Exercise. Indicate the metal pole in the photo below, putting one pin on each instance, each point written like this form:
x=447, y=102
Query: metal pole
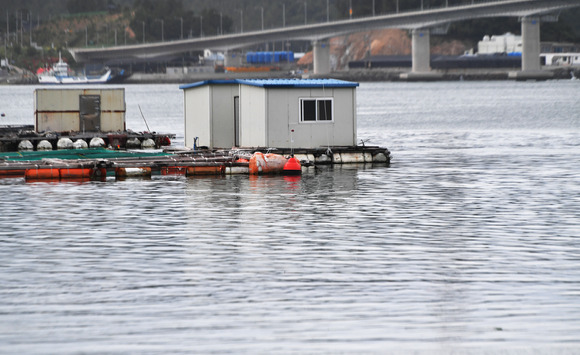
x=241, y=21
x=350, y=10
x=262, y=10
x=143, y=31
x=373, y=7
x=283, y=15
x=200, y=26
x=221, y=24
x=305, y=13
x=327, y=11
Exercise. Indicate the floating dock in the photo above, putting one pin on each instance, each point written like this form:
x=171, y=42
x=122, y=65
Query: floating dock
x=101, y=163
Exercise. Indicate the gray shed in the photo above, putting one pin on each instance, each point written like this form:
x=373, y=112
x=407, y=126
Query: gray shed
x=275, y=113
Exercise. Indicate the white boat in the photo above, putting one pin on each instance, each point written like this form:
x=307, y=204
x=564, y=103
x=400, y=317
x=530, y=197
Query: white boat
x=60, y=74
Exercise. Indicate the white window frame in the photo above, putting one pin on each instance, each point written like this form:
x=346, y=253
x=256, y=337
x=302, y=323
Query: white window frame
x=316, y=99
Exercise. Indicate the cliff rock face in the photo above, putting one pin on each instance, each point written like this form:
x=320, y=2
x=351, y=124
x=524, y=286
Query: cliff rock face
x=389, y=41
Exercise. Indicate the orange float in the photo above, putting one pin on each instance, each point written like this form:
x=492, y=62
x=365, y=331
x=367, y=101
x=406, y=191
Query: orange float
x=173, y=170
x=261, y=163
x=12, y=173
x=78, y=173
x=42, y=174
x=205, y=170
x=132, y=172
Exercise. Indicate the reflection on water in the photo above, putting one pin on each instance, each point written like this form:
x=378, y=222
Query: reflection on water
x=467, y=242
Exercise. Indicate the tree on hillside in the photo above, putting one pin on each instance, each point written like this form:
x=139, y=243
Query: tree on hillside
x=169, y=20
x=80, y=6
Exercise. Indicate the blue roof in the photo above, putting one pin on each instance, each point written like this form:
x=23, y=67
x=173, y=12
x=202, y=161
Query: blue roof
x=278, y=83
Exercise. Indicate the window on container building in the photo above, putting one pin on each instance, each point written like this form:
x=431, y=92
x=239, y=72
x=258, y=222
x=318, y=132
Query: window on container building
x=313, y=110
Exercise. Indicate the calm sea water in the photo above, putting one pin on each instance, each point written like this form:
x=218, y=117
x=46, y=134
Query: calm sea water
x=468, y=243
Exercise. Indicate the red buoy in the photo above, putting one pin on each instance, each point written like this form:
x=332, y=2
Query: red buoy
x=292, y=167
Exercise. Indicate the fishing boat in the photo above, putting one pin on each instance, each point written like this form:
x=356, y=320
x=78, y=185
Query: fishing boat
x=60, y=74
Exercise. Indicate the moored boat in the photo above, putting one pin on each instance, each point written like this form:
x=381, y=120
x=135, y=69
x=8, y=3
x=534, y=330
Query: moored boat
x=60, y=74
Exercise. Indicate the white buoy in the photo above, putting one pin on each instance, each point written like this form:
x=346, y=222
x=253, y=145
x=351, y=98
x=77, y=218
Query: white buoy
x=44, y=145
x=322, y=159
x=80, y=144
x=380, y=158
x=64, y=143
x=25, y=145
x=148, y=144
x=133, y=143
x=97, y=142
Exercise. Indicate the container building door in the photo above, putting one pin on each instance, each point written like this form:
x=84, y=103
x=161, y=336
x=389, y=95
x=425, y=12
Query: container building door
x=90, y=113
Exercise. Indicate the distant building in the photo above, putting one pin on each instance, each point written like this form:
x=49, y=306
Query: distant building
x=560, y=59
x=275, y=113
x=556, y=47
x=506, y=44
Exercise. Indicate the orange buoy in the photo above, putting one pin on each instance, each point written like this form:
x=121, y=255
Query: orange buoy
x=292, y=167
x=83, y=173
x=12, y=173
x=205, y=170
x=173, y=170
x=42, y=174
x=132, y=172
x=99, y=174
x=266, y=163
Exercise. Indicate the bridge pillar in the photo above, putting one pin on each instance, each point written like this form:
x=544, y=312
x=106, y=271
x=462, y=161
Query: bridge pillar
x=531, y=67
x=321, y=60
x=421, y=57
x=421, y=51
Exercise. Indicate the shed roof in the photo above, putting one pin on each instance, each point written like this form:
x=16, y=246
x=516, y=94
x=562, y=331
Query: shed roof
x=278, y=83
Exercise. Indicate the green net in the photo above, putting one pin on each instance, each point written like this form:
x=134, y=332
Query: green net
x=92, y=153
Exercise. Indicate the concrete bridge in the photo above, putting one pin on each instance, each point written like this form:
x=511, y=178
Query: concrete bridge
x=421, y=23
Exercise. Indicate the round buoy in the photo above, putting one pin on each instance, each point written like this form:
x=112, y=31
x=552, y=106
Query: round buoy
x=133, y=143
x=64, y=143
x=44, y=145
x=25, y=145
x=380, y=158
x=80, y=144
x=323, y=159
x=292, y=167
x=148, y=144
x=97, y=142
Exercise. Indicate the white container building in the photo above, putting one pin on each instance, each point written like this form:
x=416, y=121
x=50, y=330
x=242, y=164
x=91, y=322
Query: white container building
x=273, y=113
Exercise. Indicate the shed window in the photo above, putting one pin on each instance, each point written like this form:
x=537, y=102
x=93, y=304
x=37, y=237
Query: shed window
x=313, y=110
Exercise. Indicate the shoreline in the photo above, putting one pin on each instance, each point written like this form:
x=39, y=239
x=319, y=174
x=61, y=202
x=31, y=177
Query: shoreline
x=355, y=75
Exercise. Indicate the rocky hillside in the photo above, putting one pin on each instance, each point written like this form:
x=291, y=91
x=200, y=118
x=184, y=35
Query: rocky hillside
x=380, y=42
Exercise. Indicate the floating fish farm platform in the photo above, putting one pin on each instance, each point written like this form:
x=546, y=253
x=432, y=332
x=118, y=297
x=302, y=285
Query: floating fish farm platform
x=12, y=138
x=102, y=163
